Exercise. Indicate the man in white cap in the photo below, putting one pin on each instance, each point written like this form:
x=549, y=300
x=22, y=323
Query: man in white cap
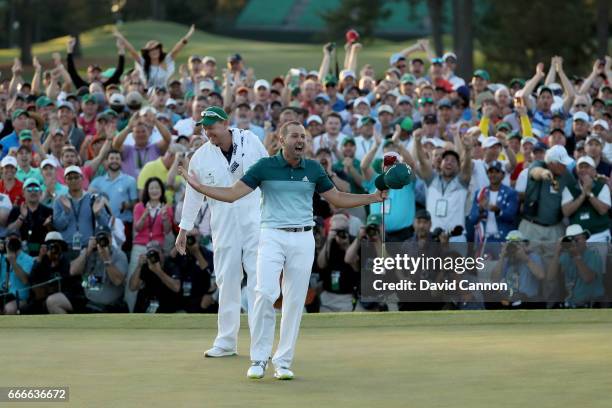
x=601, y=128
x=262, y=91
x=580, y=267
x=593, y=148
x=235, y=226
x=542, y=215
x=587, y=202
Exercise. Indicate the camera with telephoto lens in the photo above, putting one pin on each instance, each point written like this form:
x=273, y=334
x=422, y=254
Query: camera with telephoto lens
x=191, y=240
x=55, y=248
x=372, y=231
x=102, y=240
x=153, y=256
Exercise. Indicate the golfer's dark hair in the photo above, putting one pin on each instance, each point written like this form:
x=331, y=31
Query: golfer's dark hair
x=284, y=129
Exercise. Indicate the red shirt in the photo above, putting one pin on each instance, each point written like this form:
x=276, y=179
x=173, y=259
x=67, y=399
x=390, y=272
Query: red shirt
x=15, y=193
x=89, y=127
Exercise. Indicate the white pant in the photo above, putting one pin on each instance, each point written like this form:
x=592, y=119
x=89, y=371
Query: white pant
x=229, y=262
x=292, y=253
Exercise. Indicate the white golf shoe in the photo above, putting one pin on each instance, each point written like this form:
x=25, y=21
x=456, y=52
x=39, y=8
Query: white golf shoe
x=257, y=369
x=283, y=373
x=219, y=352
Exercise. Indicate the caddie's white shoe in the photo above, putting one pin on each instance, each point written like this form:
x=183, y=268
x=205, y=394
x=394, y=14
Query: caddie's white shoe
x=257, y=369
x=219, y=352
x=283, y=373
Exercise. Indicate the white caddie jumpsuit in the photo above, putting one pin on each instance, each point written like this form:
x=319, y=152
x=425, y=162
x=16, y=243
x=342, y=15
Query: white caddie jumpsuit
x=235, y=226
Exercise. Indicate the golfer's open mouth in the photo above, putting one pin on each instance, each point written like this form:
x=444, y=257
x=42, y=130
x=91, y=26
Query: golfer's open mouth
x=298, y=149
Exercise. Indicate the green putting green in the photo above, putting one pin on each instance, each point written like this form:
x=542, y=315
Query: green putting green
x=558, y=358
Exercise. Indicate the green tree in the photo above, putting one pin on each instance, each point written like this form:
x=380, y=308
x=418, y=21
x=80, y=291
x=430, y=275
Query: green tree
x=362, y=15
x=515, y=36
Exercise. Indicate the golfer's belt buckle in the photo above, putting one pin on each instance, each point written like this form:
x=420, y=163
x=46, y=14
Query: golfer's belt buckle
x=298, y=229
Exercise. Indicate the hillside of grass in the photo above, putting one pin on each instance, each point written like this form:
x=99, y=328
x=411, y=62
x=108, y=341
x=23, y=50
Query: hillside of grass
x=269, y=59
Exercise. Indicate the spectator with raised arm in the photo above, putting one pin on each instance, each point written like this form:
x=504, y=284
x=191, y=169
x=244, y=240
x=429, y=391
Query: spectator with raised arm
x=94, y=71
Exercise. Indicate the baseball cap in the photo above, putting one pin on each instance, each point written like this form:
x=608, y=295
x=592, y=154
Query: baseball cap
x=47, y=162
x=348, y=140
x=117, y=99
x=513, y=135
x=19, y=112
x=586, y=159
x=314, y=118
x=374, y=219
x=449, y=55
x=490, y=142
x=515, y=236
x=88, y=98
x=406, y=124
x=444, y=103
x=25, y=134
x=345, y=73
x=261, y=83
x=540, y=146
x=503, y=125
x=404, y=99
x=8, y=161
x=65, y=104
x=170, y=102
x=407, y=79
x=515, y=81
x=133, y=98
x=30, y=181
x=395, y=58
x=452, y=153
x=72, y=169
x=496, y=165
x=54, y=236
x=544, y=88
x=423, y=101
x=234, y=58
x=322, y=96
x=437, y=61
x=208, y=59
x=212, y=115
x=360, y=101
x=602, y=123
x=580, y=145
x=365, y=120
x=581, y=116
x=423, y=214
x=529, y=139
x=206, y=85
x=592, y=137
x=385, y=108
x=430, y=119
x=330, y=80
x=43, y=101
x=557, y=154
x=482, y=74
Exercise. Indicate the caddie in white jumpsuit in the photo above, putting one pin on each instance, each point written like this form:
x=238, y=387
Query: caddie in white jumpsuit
x=288, y=182
x=235, y=226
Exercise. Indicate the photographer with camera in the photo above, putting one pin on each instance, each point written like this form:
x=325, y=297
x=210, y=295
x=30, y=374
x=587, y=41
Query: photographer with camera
x=32, y=219
x=339, y=277
x=15, y=268
x=521, y=269
x=103, y=268
x=157, y=288
x=57, y=297
x=198, y=292
x=581, y=268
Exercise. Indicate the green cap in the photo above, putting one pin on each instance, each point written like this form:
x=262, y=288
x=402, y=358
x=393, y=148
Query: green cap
x=406, y=124
x=365, y=120
x=519, y=81
x=330, y=80
x=408, y=79
x=110, y=112
x=483, y=74
x=30, y=181
x=503, y=125
x=19, y=112
x=397, y=177
x=43, y=101
x=212, y=115
x=25, y=134
x=514, y=135
x=88, y=98
x=374, y=219
x=348, y=140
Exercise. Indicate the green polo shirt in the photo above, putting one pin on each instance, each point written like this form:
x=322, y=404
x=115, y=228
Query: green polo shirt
x=287, y=191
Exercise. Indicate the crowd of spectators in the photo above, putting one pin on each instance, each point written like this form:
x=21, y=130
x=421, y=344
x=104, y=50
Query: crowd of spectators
x=90, y=196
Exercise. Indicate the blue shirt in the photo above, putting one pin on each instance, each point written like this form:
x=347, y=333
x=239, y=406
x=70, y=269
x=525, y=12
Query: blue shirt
x=121, y=189
x=287, y=191
x=9, y=141
x=399, y=206
x=78, y=219
x=15, y=285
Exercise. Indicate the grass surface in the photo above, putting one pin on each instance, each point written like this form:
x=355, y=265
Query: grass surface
x=268, y=58
x=427, y=359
